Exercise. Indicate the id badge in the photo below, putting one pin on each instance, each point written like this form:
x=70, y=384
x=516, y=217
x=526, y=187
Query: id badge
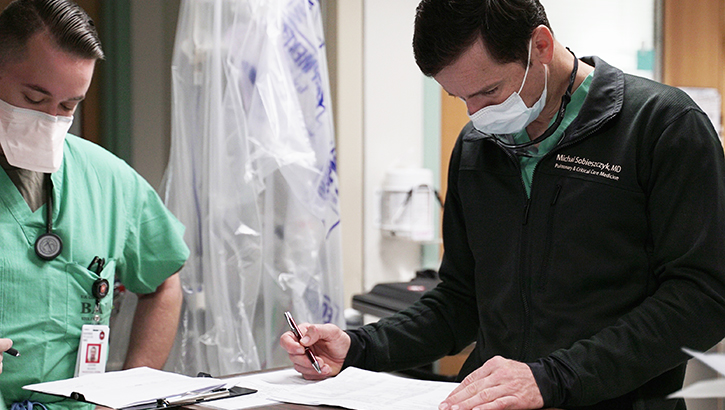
x=93, y=350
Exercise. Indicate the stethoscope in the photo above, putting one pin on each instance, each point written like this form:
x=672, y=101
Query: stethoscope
x=520, y=149
x=48, y=245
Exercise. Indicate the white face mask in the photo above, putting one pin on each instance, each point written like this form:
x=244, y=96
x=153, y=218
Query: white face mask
x=512, y=115
x=31, y=139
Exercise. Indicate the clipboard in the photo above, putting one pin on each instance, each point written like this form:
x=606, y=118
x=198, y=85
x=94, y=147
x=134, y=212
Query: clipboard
x=141, y=389
x=216, y=394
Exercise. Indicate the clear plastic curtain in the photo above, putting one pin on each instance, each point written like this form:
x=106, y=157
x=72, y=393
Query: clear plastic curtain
x=252, y=176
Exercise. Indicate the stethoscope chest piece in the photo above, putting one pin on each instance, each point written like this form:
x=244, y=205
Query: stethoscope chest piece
x=48, y=246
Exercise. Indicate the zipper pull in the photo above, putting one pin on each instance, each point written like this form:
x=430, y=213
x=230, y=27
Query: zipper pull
x=556, y=194
x=526, y=211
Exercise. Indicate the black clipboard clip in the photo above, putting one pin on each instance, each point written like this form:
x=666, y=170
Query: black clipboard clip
x=198, y=398
x=216, y=394
x=194, y=398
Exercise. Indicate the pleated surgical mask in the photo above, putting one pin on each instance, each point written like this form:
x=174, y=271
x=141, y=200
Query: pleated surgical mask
x=512, y=115
x=31, y=139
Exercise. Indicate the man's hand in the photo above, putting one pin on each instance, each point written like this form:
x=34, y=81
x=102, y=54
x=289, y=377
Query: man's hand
x=5, y=344
x=498, y=384
x=328, y=342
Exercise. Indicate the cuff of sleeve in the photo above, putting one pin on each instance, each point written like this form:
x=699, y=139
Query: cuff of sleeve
x=547, y=386
x=356, y=354
x=554, y=383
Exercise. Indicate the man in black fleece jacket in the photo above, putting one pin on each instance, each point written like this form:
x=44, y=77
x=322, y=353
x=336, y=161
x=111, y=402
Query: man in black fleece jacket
x=584, y=227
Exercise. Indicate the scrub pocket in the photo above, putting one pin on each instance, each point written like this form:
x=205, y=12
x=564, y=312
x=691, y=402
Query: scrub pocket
x=81, y=303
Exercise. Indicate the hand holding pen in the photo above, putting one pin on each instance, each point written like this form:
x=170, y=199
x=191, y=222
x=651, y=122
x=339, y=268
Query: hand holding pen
x=6, y=347
x=308, y=352
x=330, y=346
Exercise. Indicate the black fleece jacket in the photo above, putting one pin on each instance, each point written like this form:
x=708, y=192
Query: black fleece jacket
x=615, y=263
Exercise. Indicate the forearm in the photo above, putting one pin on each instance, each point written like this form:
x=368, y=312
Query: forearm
x=418, y=335
x=154, y=325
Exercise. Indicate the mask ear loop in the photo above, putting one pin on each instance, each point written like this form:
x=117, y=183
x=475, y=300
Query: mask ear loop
x=518, y=149
x=528, y=64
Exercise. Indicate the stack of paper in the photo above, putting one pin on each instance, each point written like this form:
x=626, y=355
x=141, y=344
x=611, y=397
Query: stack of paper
x=365, y=390
x=129, y=388
x=267, y=383
x=707, y=389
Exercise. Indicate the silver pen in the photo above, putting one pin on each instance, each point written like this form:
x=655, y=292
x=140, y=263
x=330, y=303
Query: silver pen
x=298, y=335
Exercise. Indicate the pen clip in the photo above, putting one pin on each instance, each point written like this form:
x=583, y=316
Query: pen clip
x=99, y=262
x=293, y=325
x=298, y=335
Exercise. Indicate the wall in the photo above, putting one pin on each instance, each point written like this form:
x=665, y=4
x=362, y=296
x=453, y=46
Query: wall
x=393, y=128
x=344, y=24
x=378, y=96
x=621, y=29
x=153, y=27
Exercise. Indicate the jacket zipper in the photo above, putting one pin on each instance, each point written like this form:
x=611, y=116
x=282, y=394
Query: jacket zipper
x=525, y=290
x=543, y=273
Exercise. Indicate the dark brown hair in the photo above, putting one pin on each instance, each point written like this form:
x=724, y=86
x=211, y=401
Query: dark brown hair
x=444, y=29
x=68, y=25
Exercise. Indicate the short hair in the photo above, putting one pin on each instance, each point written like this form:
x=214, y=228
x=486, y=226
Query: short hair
x=67, y=23
x=445, y=29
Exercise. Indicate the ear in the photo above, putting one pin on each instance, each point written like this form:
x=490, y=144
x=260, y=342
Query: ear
x=543, y=42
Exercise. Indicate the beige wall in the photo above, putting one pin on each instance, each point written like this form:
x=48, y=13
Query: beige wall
x=345, y=56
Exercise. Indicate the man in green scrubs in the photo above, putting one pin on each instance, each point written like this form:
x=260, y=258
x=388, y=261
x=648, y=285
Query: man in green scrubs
x=64, y=202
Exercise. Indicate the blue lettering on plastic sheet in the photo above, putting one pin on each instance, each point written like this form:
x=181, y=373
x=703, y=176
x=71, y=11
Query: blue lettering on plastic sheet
x=328, y=185
x=327, y=310
x=320, y=305
x=303, y=53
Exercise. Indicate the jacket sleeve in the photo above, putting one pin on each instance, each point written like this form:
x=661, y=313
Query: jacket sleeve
x=682, y=172
x=443, y=322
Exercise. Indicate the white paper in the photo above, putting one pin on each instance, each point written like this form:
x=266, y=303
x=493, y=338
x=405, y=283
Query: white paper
x=266, y=383
x=365, y=390
x=714, y=388
x=707, y=389
x=128, y=387
x=716, y=361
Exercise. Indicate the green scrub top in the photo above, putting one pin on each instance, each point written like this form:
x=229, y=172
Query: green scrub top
x=528, y=164
x=101, y=207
